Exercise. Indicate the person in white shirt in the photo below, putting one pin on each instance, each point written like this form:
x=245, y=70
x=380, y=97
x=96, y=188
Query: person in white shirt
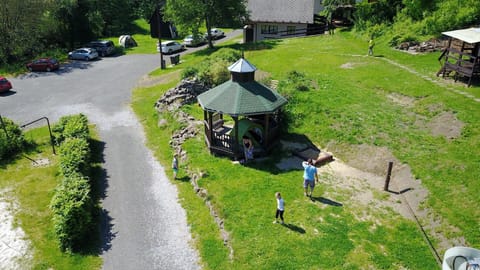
x=280, y=208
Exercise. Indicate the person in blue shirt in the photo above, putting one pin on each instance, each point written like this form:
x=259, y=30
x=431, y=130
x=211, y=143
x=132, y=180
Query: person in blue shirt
x=309, y=176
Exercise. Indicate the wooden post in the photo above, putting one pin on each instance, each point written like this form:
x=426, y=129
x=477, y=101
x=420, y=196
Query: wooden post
x=389, y=173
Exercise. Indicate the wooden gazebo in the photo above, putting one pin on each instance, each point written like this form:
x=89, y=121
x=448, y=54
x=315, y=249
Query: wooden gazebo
x=252, y=106
x=462, y=54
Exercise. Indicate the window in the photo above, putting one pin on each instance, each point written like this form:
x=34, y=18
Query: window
x=291, y=30
x=269, y=29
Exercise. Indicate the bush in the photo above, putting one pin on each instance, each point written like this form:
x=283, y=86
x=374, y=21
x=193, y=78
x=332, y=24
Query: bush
x=72, y=212
x=214, y=70
x=74, y=156
x=189, y=72
x=72, y=126
x=14, y=142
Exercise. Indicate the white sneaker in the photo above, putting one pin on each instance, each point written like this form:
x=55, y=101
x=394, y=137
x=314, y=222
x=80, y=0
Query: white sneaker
x=275, y=222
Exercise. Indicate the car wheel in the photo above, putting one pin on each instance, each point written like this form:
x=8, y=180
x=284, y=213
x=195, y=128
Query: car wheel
x=49, y=69
x=102, y=54
x=86, y=58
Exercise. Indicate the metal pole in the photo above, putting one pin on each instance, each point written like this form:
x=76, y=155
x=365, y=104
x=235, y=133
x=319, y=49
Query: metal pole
x=51, y=136
x=162, y=63
x=49, y=129
x=389, y=173
x=4, y=128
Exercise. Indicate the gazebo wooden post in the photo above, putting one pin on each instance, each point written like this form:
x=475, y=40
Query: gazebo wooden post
x=236, y=141
x=210, y=128
x=266, y=140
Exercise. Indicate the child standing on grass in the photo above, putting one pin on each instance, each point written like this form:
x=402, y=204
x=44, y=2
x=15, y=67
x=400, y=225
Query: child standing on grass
x=175, y=166
x=280, y=208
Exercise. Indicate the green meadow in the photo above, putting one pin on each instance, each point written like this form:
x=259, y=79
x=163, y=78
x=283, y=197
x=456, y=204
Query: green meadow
x=348, y=104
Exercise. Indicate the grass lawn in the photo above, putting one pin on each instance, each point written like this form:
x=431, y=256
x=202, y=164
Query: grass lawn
x=349, y=104
x=32, y=188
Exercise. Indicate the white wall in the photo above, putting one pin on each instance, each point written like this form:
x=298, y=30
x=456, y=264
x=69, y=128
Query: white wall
x=282, y=30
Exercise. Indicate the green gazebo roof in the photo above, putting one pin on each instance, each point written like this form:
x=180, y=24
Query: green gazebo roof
x=241, y=98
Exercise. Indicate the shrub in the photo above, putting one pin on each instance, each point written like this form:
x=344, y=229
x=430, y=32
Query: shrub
x=74, y=156
x=189, y=72
x=14, y=142
x=72, y=126
x=72, y=212
x=226, y=54
x=213, y=71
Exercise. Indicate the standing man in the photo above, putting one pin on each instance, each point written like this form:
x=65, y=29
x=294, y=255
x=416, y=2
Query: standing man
x=371, y=44
x=309, y=176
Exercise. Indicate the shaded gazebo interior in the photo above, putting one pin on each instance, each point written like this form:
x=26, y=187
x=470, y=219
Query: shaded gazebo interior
x=241, y=107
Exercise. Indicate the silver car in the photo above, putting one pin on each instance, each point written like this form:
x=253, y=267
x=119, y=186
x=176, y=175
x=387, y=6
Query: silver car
x=86, y=54
x=170, y=47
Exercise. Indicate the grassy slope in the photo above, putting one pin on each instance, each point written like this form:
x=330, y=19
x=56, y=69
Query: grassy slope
x=349, y=107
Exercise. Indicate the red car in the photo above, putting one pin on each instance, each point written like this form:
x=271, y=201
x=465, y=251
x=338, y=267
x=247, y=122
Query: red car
x=43, y=64
x=5, y=85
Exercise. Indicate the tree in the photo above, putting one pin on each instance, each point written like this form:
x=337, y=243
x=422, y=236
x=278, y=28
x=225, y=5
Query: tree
x=189, y=15
x=19, y=29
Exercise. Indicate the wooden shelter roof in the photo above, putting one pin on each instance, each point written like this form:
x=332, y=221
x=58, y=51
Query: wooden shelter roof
x=469, y=35
x=241, y=98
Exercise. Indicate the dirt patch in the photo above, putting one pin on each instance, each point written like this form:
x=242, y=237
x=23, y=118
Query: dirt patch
x=350, y=65
x=444, y=124
x=402, y=100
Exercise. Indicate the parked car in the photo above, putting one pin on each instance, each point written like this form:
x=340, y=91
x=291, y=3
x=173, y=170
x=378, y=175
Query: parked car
x=216, y=33
x=170, y=47
x=83, y=54
x=194, y=40
x=103, y=47
x=5, y=85
x=43, y=64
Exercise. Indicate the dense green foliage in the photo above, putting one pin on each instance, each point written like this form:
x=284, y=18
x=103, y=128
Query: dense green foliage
x=407, y=20
x=74, y=157
x=213, y=70
x=72, y=204
x=72, y=208
x=190, y=15
x=29, y=27
x=74, y=126
x=12, y=139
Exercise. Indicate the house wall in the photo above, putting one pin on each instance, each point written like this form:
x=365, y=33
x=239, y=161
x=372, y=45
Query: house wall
x=278, y=30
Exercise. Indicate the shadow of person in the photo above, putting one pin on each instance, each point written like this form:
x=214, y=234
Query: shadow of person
x=325, y=201
x=294, y=228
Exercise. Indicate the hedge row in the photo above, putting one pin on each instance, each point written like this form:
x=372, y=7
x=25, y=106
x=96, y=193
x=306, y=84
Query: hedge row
x=12, y=140
x=72, y=204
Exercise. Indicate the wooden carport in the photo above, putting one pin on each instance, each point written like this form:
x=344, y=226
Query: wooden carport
x=462, y=54
x=244, y=100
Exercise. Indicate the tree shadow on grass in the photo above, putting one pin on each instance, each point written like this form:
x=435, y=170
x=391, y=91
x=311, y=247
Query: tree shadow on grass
x=294, y=228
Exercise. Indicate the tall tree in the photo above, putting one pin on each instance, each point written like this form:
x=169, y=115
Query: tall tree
x=189, y=15
x=19, y=28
